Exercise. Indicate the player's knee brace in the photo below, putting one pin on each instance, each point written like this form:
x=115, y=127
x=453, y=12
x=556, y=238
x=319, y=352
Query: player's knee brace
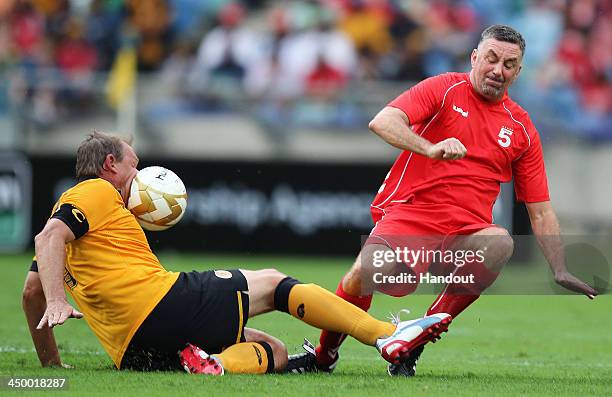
x=281, y=294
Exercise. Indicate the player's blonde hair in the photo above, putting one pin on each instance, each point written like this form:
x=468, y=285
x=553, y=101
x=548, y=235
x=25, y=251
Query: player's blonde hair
x=93, y=151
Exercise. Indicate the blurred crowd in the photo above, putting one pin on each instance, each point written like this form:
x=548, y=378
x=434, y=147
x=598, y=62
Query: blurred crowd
x=303, y=62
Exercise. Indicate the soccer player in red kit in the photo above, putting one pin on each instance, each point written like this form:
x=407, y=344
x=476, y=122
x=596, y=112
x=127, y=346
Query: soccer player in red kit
x=461, y=136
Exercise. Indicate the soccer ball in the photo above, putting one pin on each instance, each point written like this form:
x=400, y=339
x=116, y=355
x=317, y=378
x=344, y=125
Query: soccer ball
x=158, y=198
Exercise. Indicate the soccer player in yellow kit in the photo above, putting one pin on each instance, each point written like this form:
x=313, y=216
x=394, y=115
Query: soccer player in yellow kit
x=143, y=314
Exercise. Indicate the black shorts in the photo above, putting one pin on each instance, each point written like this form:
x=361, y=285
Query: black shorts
x=208, y=309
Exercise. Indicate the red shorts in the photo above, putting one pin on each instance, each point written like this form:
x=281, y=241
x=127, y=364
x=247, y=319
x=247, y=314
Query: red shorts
x=425, y=227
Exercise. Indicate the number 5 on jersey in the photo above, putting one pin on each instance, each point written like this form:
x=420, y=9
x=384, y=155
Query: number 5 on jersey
x=504, y=137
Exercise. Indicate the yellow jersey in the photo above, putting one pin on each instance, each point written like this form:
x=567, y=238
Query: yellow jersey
x=111, y=272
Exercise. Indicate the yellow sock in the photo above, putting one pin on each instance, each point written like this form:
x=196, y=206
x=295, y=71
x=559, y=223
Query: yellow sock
x=322, y=309
x=247, y=358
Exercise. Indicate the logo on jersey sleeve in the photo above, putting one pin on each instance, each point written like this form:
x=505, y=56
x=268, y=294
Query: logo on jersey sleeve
x=460, y=111
x=504, y=137
x=74, y=218
x=78, y=215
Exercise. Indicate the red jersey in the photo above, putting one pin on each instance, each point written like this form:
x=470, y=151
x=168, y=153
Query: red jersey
x=500, y=139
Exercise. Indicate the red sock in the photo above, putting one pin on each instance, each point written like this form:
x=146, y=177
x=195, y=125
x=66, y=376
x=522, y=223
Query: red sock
x=330, y=342
x=456, y=297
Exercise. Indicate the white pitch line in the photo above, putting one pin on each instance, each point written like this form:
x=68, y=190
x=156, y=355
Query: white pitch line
x=22, y=350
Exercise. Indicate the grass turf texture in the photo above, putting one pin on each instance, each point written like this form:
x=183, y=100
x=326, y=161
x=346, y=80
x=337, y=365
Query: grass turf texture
x=503, y=345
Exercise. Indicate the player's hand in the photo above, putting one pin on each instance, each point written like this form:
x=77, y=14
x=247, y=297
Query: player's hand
x=57, y=313
x=572, y=283
x=448, y=149
x=55, y=364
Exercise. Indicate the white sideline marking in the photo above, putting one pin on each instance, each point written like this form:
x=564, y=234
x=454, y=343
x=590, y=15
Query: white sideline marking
x=21, y=350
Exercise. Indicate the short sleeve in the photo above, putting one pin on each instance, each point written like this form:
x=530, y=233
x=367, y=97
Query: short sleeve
x=424, y=100
x=93, y=202
x=530, y=182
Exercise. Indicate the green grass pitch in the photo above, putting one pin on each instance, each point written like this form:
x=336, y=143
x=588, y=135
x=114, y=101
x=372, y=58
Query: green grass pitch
x=502, y=345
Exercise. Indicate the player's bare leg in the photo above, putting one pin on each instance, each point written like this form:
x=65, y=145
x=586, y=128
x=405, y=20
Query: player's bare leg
x=497, y=247
x=497, y=243
x=272, y=290
x=324, y=310
x=262, y=285
x=358, y=281
x=357, y=287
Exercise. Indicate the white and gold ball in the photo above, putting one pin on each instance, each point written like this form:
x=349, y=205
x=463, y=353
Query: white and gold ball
x=158, y=198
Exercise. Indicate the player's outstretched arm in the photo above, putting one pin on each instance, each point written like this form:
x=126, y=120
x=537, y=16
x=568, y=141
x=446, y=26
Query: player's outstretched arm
x=546, y=228
x=393, y=126
x=34, y=305
x=50, y=246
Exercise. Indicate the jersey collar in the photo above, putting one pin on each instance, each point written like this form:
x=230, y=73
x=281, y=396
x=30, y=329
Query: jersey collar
x=85, y=178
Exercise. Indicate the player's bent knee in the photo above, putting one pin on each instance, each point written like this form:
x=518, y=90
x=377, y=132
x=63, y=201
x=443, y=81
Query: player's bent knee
x=279, y=350
x=351, y=283
x=503, y=244
x=273, y=277
x=280, y=353
x=376, y=257
x=267, y=279
x=32, y=289
x=359, y=280
x=506, y=246
x=28, y=295
x=263, y=286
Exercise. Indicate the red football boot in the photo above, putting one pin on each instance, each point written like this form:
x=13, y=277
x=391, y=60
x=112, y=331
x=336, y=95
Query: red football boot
x=197, y=361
